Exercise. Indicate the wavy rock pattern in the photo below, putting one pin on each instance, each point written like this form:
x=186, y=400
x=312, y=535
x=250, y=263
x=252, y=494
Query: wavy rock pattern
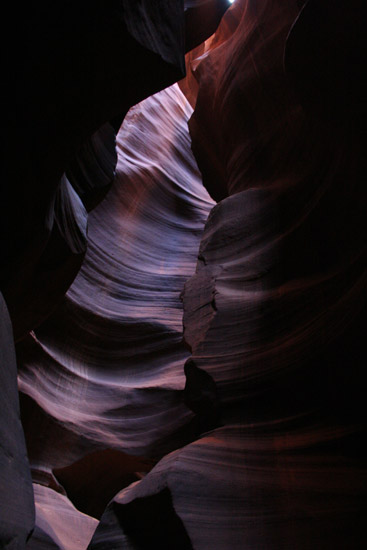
x=244, y=487
x=274, y=316
x=280, y=327
x=57, y=256
x=59, y=525
x=78, y=68
x=278, y=300
x=281, y=267
x=36, y=291
x=266, y=419
x=81, y=68
x=108, y=364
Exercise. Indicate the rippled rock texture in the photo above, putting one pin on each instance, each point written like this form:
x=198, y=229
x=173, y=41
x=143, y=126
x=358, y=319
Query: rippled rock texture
x=58, y=523
x=201, y=383
x=73, y=72
x=274, y=317
x=105, y=371
x=120, y=354
x=71, y=68
x=242, y=487
x=281, y=272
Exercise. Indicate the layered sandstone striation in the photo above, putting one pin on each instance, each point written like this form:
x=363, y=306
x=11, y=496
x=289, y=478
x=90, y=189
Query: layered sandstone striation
x=191, y=373
x=105, y=371
x=274, y=315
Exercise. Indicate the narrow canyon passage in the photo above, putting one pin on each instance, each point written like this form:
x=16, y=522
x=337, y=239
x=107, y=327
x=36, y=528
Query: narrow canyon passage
x=185, y=287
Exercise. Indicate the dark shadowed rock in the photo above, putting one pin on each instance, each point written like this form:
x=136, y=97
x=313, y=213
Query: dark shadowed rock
x=93, y=170
x=202, y=20
x=325, y=58
x=92, y=481
x=41, y=541
x=152, y=521
x=16, y=495
x=36, y=291
x=243, y=486
x=201, y=396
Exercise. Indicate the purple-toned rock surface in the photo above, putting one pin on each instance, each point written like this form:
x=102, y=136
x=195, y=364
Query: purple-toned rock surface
x=281, y=271
x=37, y=290
x=70, y=69
x=206, y=373
x=58, y=523
x=274, y=317
x=108, y=365
x=242, y=487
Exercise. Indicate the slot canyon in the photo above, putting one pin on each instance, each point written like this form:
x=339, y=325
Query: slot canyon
x=183, y=276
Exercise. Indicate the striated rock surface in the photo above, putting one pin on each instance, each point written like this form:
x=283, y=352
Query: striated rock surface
x=284, y=351
x=71, y=68
x=59, y=525
x=257, y=439
x=37, y=289
x=242, y=487
x=281, y=271
x=274, y=316
x=276, y=310
x=107, y=367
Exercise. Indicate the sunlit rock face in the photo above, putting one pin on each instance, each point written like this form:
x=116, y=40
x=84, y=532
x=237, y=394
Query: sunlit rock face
x=71, y=68
x=274, y=316
x=108, y=364
x=59, y=525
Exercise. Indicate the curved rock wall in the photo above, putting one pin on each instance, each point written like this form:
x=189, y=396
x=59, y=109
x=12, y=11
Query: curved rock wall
x=106, y=368
x=70, y=69
x=281, y=272
x=274, y=317
x=115, y=343
x=256, y=439
x=16, y=503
